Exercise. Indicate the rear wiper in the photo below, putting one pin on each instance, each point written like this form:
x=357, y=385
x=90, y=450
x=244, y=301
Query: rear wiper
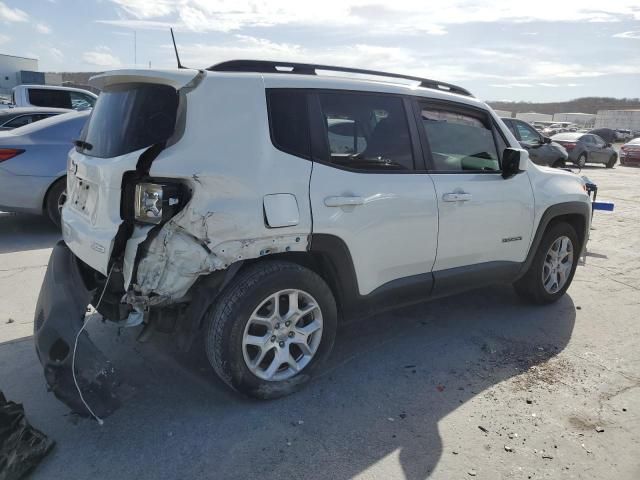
x=82, y=144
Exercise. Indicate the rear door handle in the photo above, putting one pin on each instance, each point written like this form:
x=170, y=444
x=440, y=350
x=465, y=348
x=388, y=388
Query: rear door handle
x=343, y=201
x=456, y=197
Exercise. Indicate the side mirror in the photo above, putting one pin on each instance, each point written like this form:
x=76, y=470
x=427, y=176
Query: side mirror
x=546, y=140
x=513, y=162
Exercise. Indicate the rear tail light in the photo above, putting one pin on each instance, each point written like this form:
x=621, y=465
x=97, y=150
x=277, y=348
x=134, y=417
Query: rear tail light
x=9, y=153
x=569, y=146
x=157, y=202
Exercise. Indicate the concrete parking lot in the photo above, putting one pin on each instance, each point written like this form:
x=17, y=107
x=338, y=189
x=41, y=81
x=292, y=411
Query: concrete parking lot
x=474, y=386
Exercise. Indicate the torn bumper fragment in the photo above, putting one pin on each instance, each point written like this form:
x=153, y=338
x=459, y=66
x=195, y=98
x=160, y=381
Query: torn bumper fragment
x=60, y=315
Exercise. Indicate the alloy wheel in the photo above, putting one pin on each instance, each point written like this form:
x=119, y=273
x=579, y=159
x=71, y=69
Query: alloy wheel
x=282, y=335
x=557, y=265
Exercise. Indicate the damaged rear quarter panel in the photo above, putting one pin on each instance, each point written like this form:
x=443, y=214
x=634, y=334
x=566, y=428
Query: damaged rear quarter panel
x=230, y=164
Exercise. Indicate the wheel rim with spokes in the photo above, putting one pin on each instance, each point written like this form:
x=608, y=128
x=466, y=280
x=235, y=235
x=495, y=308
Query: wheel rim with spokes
x=282, y=335
x=557, y=265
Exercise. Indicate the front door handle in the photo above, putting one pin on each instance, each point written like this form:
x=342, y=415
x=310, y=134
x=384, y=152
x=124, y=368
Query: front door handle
x=343, y=201
x=456, y=197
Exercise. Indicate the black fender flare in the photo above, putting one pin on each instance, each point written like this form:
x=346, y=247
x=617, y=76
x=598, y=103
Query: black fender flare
x=551, y=213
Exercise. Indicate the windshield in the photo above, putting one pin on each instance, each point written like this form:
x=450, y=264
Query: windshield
x=128, y=117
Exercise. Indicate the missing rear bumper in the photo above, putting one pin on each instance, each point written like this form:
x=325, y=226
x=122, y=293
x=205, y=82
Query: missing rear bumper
x=60, y=315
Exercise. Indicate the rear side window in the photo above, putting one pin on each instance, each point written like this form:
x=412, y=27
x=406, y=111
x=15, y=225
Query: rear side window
x=289, y=121
x=19, y=121
x=366, y=132
x=128, y=117
x=42, y=97
x=460, y=141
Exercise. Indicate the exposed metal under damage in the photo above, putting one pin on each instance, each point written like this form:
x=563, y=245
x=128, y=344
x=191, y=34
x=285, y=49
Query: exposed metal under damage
x=183, y=250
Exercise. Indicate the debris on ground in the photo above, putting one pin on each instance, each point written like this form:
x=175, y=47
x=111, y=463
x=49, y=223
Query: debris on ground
x=599, y=429
x=529, y=401
x=22, y=447
x=547, y=456
x=11, y=320
x=507, y=448
x=403, y=416
x=483, y=429
x=472, y=473
x=440, y=388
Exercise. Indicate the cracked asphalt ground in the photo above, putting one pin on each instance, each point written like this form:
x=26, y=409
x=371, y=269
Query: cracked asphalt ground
x=473, y=386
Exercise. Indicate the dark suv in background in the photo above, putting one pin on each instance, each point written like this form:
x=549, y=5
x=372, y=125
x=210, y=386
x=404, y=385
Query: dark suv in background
x=542, y=150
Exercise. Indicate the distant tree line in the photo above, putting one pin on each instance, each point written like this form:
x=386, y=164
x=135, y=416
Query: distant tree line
x=582, y=105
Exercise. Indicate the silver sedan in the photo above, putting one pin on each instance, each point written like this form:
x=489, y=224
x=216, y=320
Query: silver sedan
x=33, y=164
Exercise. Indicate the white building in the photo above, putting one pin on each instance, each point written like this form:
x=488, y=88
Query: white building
x=503, y=113
x=625, y=119
x=583, y=119
x=17, y=70
x=534, y=117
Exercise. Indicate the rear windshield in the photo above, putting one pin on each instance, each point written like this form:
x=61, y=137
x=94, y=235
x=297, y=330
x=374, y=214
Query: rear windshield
x=128, y=117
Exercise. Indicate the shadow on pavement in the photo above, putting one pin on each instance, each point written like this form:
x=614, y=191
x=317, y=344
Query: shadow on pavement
x=20, y=232
x=389, y=382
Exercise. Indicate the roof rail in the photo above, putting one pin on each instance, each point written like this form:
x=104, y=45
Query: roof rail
x=267, y=66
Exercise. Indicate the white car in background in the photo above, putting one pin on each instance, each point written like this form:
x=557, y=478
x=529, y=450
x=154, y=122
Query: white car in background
x=52, y=96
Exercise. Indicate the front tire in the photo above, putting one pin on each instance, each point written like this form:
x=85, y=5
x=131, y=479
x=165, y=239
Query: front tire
x=271, y=329
x=553, y=266
x=582, y=160
x=612, y=161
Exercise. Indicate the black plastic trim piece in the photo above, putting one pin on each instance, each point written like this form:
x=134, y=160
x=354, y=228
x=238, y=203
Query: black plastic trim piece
x=554, y=211
x=266, y=66
x=341, y=275
x=460, y=279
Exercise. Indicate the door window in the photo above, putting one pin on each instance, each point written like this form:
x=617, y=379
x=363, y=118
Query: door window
x=44, y=97
x=366, y=132
x=81, y=101
x=527, y=134
x=460, y=141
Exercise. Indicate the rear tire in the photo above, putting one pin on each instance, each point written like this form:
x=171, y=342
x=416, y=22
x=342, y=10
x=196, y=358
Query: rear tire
x=582, y=160
x=248, y=331
x=532, y=286
x=612, y=161
x=56, y=196
x=558, y=164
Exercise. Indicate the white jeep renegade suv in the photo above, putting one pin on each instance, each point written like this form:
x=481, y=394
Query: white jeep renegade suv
x=256, y=204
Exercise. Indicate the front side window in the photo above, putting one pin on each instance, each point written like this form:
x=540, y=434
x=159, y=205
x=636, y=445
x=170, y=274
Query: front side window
x=81, y=101
x=527, y=134
x=460, y=141
x=44, y=97
x=366, y=132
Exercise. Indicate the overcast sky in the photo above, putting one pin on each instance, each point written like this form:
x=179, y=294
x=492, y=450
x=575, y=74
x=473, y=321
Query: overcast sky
x=501, y=50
